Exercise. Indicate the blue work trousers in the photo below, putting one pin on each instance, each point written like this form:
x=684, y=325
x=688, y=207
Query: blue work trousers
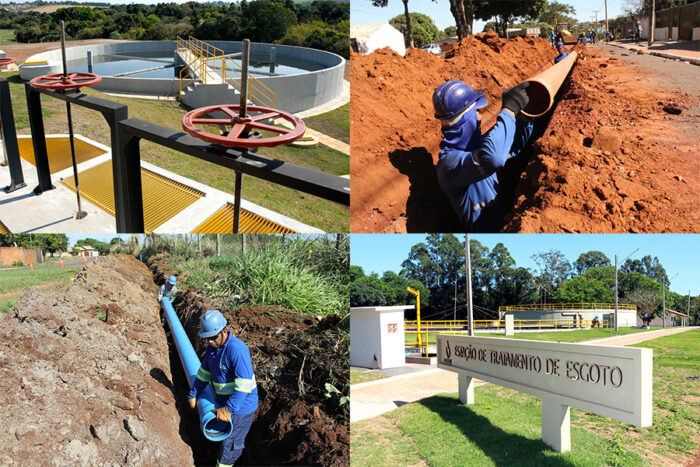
x=232, y=447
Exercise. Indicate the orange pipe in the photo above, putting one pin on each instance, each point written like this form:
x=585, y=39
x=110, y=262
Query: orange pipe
x=545, y=86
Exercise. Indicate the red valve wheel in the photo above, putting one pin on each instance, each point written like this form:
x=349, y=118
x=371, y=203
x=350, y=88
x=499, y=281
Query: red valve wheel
x=238, y=125
x=6, y=61
x=57, y=81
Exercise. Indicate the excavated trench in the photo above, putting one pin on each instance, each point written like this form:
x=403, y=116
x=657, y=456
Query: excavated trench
x=605, y=158
x=293, y=357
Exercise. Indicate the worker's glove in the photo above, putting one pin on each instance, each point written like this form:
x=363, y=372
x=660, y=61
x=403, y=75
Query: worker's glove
x=222, y=414
x=515, y=99
x=193, y=402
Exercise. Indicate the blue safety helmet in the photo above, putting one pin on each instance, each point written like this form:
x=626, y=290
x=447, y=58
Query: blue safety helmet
x=452, y=97
x=211, y=323
x=172, y=280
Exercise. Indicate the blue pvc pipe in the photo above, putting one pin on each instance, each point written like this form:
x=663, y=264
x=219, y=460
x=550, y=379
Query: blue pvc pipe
x=213, y=429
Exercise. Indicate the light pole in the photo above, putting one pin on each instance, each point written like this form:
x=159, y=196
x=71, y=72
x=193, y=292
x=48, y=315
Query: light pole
x=616, y=326
x=663, y=296
x=470, y=316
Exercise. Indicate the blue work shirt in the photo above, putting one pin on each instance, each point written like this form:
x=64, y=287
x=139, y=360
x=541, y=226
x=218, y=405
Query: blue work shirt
x=561, y=57
x=230, y=371
x=469, y=178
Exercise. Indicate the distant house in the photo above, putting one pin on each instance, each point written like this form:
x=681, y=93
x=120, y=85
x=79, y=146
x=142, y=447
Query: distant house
x=367, y=38
x=86, y=250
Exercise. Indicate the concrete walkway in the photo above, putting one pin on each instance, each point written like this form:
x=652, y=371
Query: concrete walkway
x=685, y=51
x=368, y=400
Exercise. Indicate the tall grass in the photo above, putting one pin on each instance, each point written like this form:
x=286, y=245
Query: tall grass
x=306, y=275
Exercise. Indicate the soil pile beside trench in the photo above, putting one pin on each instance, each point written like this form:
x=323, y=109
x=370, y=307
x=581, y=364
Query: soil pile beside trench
x=294, y=355
x=85, y=374
x=395, y=135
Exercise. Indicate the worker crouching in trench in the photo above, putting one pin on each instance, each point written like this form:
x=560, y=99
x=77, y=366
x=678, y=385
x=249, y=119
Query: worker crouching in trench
x=468, y=161
x=227, y=365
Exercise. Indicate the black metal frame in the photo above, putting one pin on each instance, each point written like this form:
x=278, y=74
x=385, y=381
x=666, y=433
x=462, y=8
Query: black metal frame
x=126, y=134
x=242, y=161
x=9, y=134
x=111, y=111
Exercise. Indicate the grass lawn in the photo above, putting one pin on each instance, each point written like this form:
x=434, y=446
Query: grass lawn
x=555, y=336
x=18, y=279
x=503, y=426
x=363, y=376
x=7, y=36
x=335, y=123
x=326, y=215
x=5, y=305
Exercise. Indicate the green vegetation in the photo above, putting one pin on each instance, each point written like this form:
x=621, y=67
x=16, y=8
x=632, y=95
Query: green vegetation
x=47, y=242
x=363, y=376
x=503, y=426
x=5, y=305
x=437, y=264
x=301, y=273
x=318, y=24
x=423, y=29
x=17, y=279
x=335, y=123
x=7, y=36
x=326, y=215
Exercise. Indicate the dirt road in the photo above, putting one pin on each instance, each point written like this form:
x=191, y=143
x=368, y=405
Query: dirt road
x=377, y=397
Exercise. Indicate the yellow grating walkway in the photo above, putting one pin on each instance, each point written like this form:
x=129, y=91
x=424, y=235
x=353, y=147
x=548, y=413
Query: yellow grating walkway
x=4, y=229
x=59, y=152
x=222, y=222
x=163, y=198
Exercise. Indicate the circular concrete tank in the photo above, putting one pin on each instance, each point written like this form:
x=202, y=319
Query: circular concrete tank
x=315, y=79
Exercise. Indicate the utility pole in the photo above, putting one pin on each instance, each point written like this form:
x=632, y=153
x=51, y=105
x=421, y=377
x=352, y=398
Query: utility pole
x=616, y=295
x=470, y=316
x=596, y=16
x=454, y=317
x=652, y=24
x=687, y=312
x=663, y=296
x=607, y=32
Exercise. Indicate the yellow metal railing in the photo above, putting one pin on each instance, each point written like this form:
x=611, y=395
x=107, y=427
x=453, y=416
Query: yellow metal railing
x=456, y=327
x=206, y=57
x=568, y=306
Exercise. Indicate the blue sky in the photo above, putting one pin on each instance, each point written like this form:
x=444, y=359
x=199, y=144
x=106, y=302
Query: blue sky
x=362, y=11
x=677, y=253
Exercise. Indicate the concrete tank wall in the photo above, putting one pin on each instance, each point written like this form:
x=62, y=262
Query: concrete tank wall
x=626, y=317
x=294, y=93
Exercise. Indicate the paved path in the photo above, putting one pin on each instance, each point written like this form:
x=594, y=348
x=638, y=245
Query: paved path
x=687, y=51
x=368, y=400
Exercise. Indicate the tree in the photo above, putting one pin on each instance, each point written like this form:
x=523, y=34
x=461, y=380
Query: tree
x=590, y=259
x=647, y=301
x=596, y=284
x=424, y=30
x=450, y=31
x=553, y=269
x=367, y=291
x=555, y=12
x=507, y=11
x=648, y=266
x=463, y=13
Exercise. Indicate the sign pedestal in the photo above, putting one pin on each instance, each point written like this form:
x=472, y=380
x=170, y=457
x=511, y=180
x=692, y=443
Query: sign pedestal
x=466, y=388
x=556, y=425
x=510, y=325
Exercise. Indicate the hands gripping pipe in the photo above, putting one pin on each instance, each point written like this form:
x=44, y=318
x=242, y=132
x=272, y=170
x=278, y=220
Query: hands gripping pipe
x=212, y=428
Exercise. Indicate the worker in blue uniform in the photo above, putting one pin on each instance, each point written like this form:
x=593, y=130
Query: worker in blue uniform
x=468, y=162
x=227, y=365
x=168, y=289
x=551, y=36
x=562, y=54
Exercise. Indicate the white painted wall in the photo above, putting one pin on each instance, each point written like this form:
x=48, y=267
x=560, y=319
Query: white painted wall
x=370, y=336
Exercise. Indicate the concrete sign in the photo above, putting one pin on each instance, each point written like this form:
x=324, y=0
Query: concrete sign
x=615, y=382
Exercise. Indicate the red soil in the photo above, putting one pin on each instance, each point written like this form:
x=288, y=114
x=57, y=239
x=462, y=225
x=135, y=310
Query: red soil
x=594, y=170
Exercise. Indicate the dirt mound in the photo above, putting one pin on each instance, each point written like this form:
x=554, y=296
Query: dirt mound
x=85, y=374
x=611, y=159
x=294, y=356
x=394, y=133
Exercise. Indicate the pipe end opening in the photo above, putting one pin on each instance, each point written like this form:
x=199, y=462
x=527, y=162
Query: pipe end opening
x=540, y=100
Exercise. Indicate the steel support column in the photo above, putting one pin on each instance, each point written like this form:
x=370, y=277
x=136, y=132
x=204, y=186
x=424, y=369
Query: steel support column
x=9, y=138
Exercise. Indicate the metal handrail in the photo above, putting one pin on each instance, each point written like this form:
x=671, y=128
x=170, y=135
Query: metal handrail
x=568, y=306
x=202, y=54
x=491, y=323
